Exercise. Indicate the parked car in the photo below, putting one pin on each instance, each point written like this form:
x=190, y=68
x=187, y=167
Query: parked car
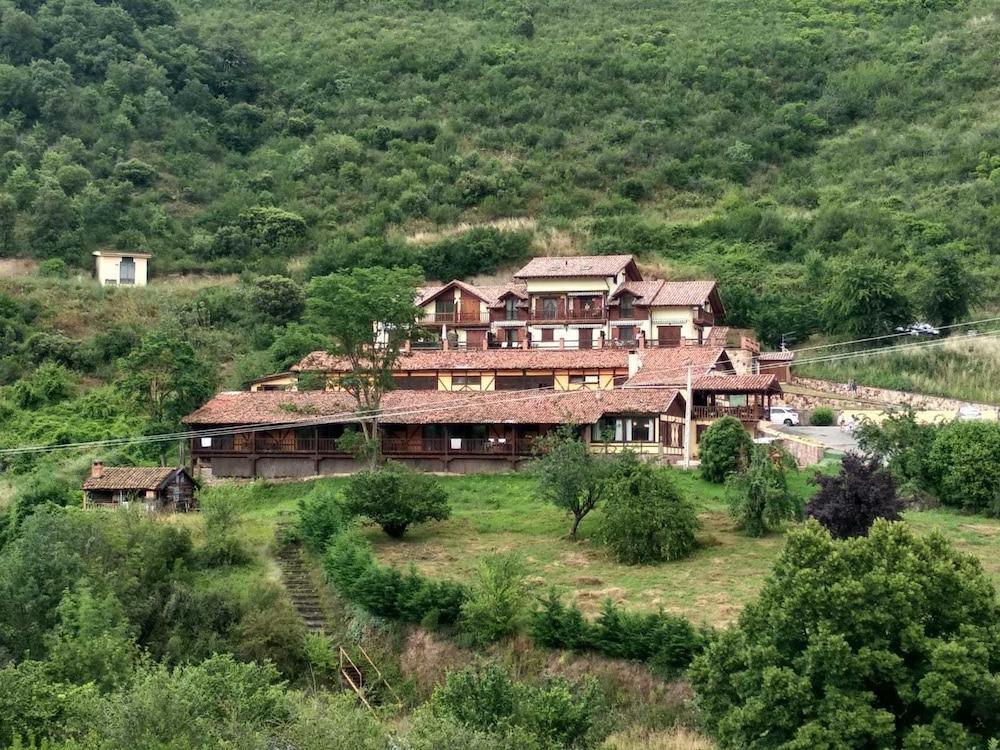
x=919, y=329
x=969, y=411
x=784, y=415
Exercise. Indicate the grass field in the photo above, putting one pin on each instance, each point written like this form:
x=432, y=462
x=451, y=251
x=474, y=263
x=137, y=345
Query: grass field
x=499, y=513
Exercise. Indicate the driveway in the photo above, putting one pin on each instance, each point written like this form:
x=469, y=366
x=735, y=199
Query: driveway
x=833, y=438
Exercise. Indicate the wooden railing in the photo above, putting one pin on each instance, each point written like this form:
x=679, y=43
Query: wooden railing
x=569, y=313
x=750, y=413
x=390, y=446
x=458, y=316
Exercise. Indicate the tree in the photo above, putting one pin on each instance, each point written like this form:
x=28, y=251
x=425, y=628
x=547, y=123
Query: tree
x=273, y=230
x=848, y=504
x=864, y=298
x=758, y=495
x=964, y=464
x=497, y=604
x=889, y=640
x=369, y=313
x=903, y=444
x=724, y=448
x=276, y=299
x=646, y=517
x=8, y=223
x=948, y=287
x=395, y=497
x=568, y=474
x=167, y=379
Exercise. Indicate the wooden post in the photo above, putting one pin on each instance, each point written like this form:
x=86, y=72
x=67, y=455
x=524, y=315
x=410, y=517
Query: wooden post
x=687, y=418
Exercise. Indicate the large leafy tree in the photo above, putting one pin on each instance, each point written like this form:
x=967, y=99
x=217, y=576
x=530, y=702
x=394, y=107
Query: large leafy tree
x=889, y=641
x=947, y=291
x=395, y=497
x=167, y=379
x=369, y=313
x=724, y=448
x=848, y=503
x=759, y=496
x=865, y=298
x=964, y=464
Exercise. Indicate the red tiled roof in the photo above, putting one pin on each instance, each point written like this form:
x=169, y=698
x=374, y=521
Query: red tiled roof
x=777, y=356
x=644, y=291
x=683, y=293
x=130, y=478
x=668, y=366
x=580, y=265
x=431, y=407
x=738, y=384
x=483, y=359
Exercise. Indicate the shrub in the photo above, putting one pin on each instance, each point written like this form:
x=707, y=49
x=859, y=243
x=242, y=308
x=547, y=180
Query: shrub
x=497, y=600
x=724, y=449
x=887, y=640
x=821, y=416
x=321, y=517
x=758, y=496
x=848, y=504
x=964, y=464
x=395, y=497
x=646, y=517
x=53, y=268
x=903, y=444
x=555, y=625
x=223, y=545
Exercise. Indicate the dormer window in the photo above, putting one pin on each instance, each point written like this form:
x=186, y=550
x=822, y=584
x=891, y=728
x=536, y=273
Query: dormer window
x=626, y=305
x=510, y=308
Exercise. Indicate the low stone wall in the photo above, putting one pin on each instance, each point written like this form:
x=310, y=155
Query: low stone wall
x=841, y=397
x=805, y=452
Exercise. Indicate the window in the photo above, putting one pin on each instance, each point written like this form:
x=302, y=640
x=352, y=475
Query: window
x=444, y=309
x=126, y=271
x=550, y=308
x=640, y=430
x=522, y=382
x=626, y=334
x=626, y=306
x=548, y=334
x=466, y=381
x=584, y=379
x=625, y=430
x=510, y=308
x=510, y=337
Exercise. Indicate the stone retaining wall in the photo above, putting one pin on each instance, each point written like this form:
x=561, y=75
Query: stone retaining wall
x=842, y=398
x=805, y=452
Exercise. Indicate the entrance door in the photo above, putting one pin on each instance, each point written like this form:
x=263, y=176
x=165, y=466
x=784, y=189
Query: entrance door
x=586, y=337
x=126, y=271
x=668, y=336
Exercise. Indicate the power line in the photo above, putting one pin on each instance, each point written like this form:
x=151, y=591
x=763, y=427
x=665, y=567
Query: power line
x=892, y=335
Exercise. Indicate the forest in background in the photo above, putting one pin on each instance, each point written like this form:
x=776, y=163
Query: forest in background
x=782, y=146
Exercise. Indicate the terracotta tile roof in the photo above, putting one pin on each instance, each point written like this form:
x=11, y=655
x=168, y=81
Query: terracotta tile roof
x=738, y=384
x=777, y=356
x=130, y=478
x=432, y=407
x=668, y=366
x=683, y=293
x=425, y=293
x=580, y=265
x=497, y=292
x=644, y=291
x=483, y=359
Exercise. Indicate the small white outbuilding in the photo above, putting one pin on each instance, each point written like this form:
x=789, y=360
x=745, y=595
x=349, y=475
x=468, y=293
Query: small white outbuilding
x=121, y=269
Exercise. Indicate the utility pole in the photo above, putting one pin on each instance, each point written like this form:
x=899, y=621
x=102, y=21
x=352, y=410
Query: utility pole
x=687, y=417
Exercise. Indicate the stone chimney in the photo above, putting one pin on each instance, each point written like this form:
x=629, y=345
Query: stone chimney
x=97, y=469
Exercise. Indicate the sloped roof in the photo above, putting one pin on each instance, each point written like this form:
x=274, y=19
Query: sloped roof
x=777, y=356
x=482, y=359
x=683, y=293
x=580, y=265
x=644, y=291
x=432, y=407
x=130, y=478
x=668, y=366
x=738, y=384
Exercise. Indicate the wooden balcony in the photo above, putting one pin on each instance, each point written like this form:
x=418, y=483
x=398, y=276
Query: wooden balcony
x=569, y=314
x=456, y=317
x=749, y=413
x=263, y=445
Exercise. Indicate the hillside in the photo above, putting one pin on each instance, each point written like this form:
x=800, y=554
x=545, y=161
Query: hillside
x=777, y=145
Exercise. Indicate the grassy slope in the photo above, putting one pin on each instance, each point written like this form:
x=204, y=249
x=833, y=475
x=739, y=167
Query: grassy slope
x=502, y=513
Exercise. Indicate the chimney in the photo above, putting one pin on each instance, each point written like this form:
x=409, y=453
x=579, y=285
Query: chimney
x=634, y=363
x=407, y=346
x=642, y=339
x=97, y=470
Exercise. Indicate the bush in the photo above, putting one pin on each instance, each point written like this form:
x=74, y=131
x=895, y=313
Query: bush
x=724, y=449
x=849, y=503
x=395, y=497
x=964, y=464
x=53, y=268
x=497, y=601
x=758, y=496
x=821, y=416
x=386, y=592
x=321, y=517
x=903, y=444
x=223, y=545
x=887, y=640
x=646, y=517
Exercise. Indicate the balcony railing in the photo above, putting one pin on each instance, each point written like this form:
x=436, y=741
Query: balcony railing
x=457, y=316
x=750, y=413
x=390, y=446
x=569, y=313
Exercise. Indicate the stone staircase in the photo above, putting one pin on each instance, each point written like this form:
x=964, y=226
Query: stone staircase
x=365, y=680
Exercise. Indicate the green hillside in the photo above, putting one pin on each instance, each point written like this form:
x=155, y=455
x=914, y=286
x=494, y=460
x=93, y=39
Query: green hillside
x=779, y=145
